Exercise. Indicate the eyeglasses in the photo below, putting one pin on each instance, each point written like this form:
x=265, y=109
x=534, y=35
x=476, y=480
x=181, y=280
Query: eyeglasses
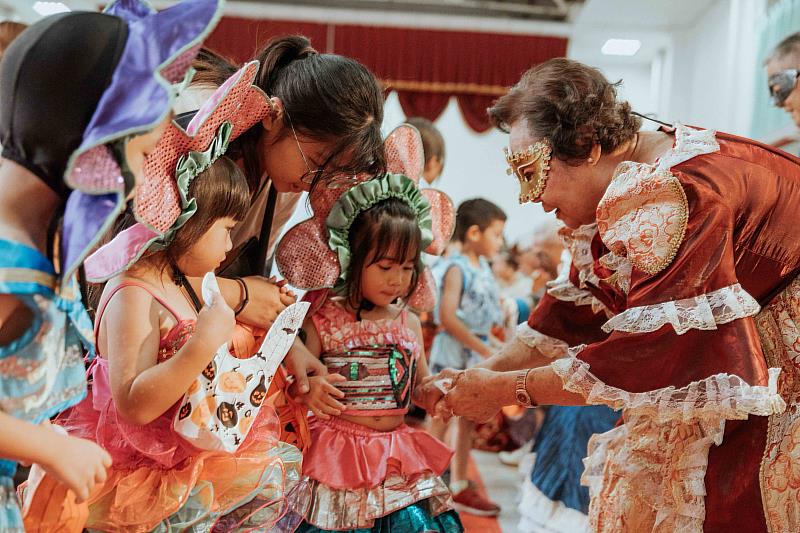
x=309, y=176
x=332, y=180
x=782, y=84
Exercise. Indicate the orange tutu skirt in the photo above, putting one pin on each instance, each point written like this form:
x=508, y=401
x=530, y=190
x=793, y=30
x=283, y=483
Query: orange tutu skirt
x=161, y=482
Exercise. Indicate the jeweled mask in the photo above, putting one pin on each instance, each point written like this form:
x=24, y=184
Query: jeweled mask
x=537, y=157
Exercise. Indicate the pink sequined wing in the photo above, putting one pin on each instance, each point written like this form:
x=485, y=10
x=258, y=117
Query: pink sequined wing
x=443, y=213
x=424, y=296
x=404, y=152
x=237, y=101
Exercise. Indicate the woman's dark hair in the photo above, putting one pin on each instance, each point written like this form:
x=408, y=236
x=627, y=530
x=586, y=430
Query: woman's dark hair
x=387, y=230
x=571, y=104
x=511, y=256
x=328, y=97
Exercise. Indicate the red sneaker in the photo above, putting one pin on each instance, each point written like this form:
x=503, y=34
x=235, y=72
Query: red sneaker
x=469, y=500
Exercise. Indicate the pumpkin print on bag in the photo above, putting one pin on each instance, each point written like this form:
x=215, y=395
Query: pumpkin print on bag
x=232, y=381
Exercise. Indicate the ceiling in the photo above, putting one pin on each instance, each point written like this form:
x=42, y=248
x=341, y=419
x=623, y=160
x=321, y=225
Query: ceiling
x=549, y=10
x=642, y=14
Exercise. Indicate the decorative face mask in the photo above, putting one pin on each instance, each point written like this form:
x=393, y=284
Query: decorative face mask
x=537, y=157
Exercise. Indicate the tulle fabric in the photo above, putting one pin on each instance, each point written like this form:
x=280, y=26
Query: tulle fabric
x=160, y=482
x=345, y=455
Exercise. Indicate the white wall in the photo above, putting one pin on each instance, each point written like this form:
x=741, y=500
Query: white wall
x=714, y=65
x=475, y=167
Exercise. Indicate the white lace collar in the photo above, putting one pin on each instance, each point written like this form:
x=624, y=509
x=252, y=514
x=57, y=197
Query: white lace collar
x=689, y=143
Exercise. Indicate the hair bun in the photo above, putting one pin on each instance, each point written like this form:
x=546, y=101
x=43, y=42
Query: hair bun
x=280, y=52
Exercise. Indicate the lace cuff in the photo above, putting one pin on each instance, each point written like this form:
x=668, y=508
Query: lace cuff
x=718, y=397
x=565, y=291
x=548, y=346
x=703, y=312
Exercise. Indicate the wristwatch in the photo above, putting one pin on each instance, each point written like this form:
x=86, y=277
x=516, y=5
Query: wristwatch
x=521, y=392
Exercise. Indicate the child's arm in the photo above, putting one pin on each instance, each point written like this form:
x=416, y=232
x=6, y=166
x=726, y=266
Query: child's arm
x=451, y=299
x=77, y=463
x=419, y=396
x=322, y=394
x=422, y=362
x=302, y=364
x=266, y=298
x=143, y=390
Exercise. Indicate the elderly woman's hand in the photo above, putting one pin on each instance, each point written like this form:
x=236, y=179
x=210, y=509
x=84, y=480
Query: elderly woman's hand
x=478, y=394
x=431, y=389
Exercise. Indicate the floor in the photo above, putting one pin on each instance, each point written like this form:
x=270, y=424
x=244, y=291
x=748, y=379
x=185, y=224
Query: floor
x=502, y=483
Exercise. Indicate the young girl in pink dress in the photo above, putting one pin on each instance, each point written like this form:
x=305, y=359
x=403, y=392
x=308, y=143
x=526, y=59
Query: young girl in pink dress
x=153, y=342
x=367, y=470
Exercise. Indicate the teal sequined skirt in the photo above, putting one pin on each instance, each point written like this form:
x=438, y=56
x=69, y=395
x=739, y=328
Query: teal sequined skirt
x=411, y=519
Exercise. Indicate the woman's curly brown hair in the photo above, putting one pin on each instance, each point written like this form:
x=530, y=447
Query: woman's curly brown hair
x=571, y=104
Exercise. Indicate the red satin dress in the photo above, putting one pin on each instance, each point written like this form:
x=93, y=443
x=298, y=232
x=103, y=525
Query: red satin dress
x=682, y=309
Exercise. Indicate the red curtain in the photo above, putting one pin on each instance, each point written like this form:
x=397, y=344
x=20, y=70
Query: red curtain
x=240, y=38
x=425, y=67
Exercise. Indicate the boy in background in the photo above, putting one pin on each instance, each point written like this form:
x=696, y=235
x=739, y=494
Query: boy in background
x=468, y=307
x=432, y=146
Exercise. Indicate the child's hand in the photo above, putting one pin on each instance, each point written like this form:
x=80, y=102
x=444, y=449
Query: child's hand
x=78, y=464
x=321, y=398
x=429, y=391
x=215, y=323
x=301, y=364
x=486, y=351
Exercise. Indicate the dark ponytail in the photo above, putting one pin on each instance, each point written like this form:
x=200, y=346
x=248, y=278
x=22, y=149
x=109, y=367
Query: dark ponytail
x=330, y=98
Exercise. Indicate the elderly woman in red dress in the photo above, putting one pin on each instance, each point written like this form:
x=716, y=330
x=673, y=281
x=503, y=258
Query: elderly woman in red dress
x=682, y=309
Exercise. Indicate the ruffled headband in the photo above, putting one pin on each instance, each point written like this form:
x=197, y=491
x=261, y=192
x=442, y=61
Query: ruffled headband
x=158, y=53
x=162, y=204
x=315, y=254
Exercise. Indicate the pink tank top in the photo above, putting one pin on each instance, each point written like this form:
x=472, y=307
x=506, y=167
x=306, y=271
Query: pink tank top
x=377, y=357
x=155, y=443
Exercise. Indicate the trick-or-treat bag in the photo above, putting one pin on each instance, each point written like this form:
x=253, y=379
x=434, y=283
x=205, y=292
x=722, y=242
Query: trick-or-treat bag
x=222, y=403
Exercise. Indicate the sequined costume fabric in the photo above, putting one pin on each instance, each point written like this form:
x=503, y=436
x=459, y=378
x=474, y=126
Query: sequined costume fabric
x=681, y=309
x=41, y=372
x=363, y=479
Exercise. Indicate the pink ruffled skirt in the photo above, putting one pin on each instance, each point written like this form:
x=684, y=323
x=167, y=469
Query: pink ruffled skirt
x=344, y=455
x=359, y=475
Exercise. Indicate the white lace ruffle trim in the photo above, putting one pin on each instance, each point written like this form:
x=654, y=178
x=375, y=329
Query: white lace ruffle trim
x=548, y=346
x=564, y=290
x=579, y=244
x=704, y=312
x=714, y=399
